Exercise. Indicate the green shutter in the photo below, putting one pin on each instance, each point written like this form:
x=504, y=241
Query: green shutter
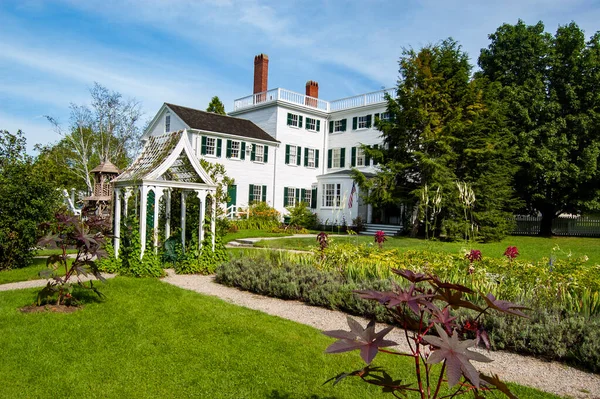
x=316, y=158
x=374, y=160
x=289, y=119
x=318, y=125
x=313, y=199
x=306, y=157
x=299, y=121
x=264, y=193
x=297, y=195
x=286, y=200
x=219, y=145
x=203, y=147
x=369, y=120
x=231, y=195
x=302, y=194
x=253, y=153
x=367, y=160
x=243, y=154
x=353, y=161
x=376, y=116
x=228, y=152
x=251, y=194
x=330, y=126
x=298, y=155
x=343, y=125
x=354, y=123
x=307, y=122
x=287, y=154
x=329, y=155
x=266, y=152
x=343, y=158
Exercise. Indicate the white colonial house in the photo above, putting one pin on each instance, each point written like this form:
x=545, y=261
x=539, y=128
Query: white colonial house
x=283, y=147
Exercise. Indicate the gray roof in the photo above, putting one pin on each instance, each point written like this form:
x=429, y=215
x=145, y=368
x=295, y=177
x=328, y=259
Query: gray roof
x=208, y=121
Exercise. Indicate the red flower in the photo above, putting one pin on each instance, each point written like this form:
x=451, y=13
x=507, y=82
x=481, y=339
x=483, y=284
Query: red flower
x=380, y=237
x=511, y=252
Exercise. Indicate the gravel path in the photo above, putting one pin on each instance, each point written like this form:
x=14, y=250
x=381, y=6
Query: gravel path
x=40, y=283
x=547, y=376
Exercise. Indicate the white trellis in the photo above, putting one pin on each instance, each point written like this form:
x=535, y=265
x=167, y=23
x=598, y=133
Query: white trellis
x=167, y=162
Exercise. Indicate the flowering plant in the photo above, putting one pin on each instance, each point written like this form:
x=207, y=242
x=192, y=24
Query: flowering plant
x=511, y=253
x=380, y=238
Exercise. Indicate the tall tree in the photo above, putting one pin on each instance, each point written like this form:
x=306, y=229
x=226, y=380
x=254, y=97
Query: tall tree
x=27, y=199
x=108, y=131
x=438, y=136
x=216, y=106
x=550, y=90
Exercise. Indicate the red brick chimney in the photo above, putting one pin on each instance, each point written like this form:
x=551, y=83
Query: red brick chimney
x=261, y=74
x=312, y=90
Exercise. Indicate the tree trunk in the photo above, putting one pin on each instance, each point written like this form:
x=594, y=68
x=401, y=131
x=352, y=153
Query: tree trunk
x=548, y=215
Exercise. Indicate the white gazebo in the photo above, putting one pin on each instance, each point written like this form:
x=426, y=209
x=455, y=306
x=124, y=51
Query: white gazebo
x=167, y=162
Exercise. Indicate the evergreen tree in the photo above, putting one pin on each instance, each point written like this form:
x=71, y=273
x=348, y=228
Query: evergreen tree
x=216, y=106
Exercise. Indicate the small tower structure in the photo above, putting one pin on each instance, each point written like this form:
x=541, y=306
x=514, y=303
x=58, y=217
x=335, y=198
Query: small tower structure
x=99, y=203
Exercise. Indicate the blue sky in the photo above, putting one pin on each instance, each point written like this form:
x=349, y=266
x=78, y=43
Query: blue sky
x=186, y=51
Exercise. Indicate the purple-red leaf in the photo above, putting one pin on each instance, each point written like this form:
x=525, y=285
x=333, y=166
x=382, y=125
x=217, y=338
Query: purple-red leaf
x=443, y=317
x=505, y=306
x=411, y=276
x=457, y=356
x=364, y=339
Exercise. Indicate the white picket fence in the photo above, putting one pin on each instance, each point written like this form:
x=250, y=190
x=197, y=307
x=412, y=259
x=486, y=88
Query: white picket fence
x=583, y=226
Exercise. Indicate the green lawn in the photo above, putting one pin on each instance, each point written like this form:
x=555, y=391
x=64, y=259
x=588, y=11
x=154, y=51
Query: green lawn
x=530, y=248
x=252, y=234
x=26, y=273
x=149, y=339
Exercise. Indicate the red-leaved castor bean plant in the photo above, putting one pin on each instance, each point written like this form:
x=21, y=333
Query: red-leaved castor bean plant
x=425, y=312
x=511, y=253
x=380, y=238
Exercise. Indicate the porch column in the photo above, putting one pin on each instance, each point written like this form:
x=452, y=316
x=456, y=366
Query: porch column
x=168, y=214
x=369, y=211
x=183, y=195
x=117, y=221
x=202, y=212
x=143, y=214
x=213, y=218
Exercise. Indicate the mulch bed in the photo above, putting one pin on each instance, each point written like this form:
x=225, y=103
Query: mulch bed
x=50, y=308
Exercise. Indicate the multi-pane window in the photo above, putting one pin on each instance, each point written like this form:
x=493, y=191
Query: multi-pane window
x=360, y=157
x=310, y=158
x=362, y=122
x=332, y=195
x=235, y=149
x=167, y=123
x=291, y=196
x=313, y=124
x=293, y=154
x=336, y=157
x=294, y=120
x=211, y=146
x=257, y=192
x=307, y=196
x=337, y=126
x=260, y=153
x=384, y=116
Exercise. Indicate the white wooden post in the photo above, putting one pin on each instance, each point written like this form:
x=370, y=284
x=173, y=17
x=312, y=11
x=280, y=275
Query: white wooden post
x=158, y=193
x=143, y=211
x=183, y=195
x=168, y=214
x=213, y=218
x=202, y=206
x=117, y=221
x=126, y=197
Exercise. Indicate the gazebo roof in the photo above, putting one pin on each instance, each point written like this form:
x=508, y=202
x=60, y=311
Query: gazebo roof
x=169, y=158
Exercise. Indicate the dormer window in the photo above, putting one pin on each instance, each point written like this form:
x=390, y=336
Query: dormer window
x=167, y=123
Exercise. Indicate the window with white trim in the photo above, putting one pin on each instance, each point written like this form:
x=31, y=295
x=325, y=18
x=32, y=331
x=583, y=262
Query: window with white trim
x=310, y=157
x=307, y=196
x=293, y=154
x=291, y=196
x=235, y=149
x=257, y=192
x=294, y=120
x=384, y=116
x=360, y=156
x=260, y=153
x=362, y=122
x=167, y=123
x=332, y=194
x=336, y=157
x=313, y=124
x=211, y=146
x=337, y=126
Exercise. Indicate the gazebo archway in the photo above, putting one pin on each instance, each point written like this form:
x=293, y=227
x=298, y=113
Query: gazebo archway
x=167, y=162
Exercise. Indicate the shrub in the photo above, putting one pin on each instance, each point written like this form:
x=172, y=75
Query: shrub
x=301, y=215
x=260, y=216
x=130, y=253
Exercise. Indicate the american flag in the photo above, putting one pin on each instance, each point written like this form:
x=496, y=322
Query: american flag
x=352, y=192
